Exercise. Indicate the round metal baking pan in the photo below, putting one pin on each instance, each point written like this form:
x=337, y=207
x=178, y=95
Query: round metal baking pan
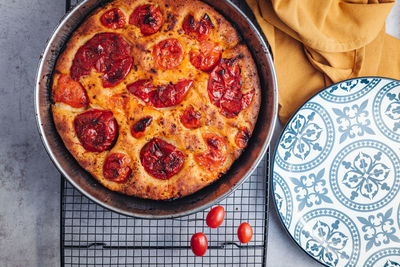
x=137, y=207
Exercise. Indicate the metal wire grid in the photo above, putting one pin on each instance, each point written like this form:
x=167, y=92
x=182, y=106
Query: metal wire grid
x=94, y=236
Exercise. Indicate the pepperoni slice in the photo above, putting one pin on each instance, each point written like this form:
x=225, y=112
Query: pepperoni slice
x=161, y=159
x=199, y=30
x=161, y=96
x=97, y=130
x=117, y=167
x=224, y=88
x=191, y=118
x=108, y=53
x=208, y=56
x=168, y=54
x=148, y=18
x=113, y=19
x=215, y=156
x=242, y=137
x=140, y=126
x=70, y=92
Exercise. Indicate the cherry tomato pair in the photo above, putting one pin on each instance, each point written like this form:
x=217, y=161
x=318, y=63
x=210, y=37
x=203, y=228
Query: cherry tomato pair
x=199, y=242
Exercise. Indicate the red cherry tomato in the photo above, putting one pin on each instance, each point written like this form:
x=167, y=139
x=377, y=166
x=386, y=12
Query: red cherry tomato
x=97, y=130
x=246, y=99
x=171, y=94
x=245, y=233
x=199, y=244
x=70, y=92
x=191, y=118
x=214, y=157
x=168, y=54
x=107, y=52
x=113, y=19
x=242, y=137
x=162, y=96
x=148, y=18
x=140, y=126
x=117, y=168
x=142, y=89
x=215, y=217
x=208, y=56
x=199, y=30
x=160, y=159
x=224, y=88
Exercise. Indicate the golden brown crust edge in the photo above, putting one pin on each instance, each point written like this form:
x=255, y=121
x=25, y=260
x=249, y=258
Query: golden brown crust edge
x=140, y=184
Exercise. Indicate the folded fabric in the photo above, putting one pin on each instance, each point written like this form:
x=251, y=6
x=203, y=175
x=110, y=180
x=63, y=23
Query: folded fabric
x=316, y=43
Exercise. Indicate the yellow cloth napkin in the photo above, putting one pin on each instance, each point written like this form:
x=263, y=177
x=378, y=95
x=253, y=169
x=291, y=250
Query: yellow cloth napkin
x=319, y=42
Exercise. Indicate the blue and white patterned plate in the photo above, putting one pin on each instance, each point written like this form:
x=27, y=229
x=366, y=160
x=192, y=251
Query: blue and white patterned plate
x=336, y=174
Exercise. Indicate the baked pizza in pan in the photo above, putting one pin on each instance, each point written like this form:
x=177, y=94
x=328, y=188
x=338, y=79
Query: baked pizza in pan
x=156, y=99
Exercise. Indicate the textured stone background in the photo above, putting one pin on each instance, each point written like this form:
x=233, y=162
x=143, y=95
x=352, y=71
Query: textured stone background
x=29, y=184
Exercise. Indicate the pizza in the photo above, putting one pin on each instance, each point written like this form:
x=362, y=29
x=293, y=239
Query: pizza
x=155, y=99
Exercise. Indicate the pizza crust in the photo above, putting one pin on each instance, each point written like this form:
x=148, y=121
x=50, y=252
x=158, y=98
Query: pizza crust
x=166, y=121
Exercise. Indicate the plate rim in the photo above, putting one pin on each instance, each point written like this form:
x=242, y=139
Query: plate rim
x=273, y=156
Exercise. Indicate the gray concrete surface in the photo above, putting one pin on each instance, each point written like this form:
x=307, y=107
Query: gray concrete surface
x=29, y=184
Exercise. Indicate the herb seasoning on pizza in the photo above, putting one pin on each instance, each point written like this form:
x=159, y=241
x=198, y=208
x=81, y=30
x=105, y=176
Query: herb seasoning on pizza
x=155, y=98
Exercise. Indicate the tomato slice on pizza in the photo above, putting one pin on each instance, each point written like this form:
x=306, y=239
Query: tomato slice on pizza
x=155, y=99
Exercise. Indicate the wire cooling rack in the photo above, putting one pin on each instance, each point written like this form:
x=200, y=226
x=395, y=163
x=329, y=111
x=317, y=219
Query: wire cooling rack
x=94, y=236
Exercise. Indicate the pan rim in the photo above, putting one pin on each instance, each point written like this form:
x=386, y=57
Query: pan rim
x=57, y=164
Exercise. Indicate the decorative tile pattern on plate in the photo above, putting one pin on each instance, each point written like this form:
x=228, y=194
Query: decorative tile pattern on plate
x=307, y=140
x=336, y=174
x=329, y=236
x=387, y=110
x=365, y=175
